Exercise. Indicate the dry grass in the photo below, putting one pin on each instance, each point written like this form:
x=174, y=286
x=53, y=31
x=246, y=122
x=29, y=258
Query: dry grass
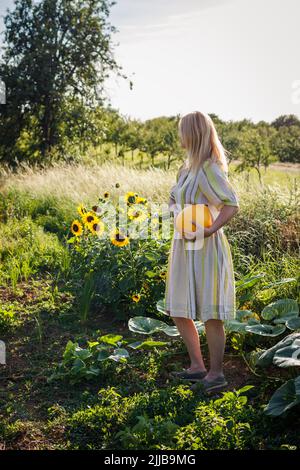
x=85, y=183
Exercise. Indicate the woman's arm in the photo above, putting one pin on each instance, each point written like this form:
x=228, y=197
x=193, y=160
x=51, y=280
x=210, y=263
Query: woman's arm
x=226, y=213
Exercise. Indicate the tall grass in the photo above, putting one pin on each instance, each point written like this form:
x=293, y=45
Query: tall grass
x=76, y=182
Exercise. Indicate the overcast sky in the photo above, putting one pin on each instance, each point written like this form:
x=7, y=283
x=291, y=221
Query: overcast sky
x=236, y=58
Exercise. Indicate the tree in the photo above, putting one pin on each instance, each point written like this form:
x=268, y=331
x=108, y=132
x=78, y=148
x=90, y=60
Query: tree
x=253, y=151
x=286, y=144
x=286, y=120
x=54, y=50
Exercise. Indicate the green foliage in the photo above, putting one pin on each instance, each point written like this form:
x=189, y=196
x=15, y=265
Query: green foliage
x=97, y=358
x=286, y=144
x=8, y=318
x=283, y=354
x=286, y=397
x=25, y=250
x=50, y=212
x=163, y=419
x=283, y=313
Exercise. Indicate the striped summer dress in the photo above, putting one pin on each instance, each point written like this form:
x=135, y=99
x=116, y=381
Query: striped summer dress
x=200, y=283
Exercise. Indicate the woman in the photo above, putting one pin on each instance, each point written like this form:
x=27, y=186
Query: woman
x=200, y=282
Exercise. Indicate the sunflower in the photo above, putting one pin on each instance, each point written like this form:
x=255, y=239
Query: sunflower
x=137, y=214
x=136, y=298
x=163, y=274
x=81, y=210
x=76, y=228
x=118, y=238
x=130, y=197
x=98, y=210
x=141, y=200
x=89, y=217
x=96, y=227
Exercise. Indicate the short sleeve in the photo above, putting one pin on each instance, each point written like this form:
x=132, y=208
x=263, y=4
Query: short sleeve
x=216, y=187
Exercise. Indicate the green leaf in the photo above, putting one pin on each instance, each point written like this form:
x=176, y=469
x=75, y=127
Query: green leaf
x=92, y=371
x=266, y=357
x=171, y=330
x=135, y=345
x=266, y=330
x=161, y=306
x=281, y=309
x=285, y=398
x=103, y=355
x=111, y=338
x=286, y=280
x=235, y=326
x=289, y=356
x=78, y=367
x=145, y=325
x=119, y=354
x=242, y=314
x=69, y=350
x=148, y=344
x=82, y=354
x=244, y=389
x=293, y=323
x=150, y=274
x=248, y=281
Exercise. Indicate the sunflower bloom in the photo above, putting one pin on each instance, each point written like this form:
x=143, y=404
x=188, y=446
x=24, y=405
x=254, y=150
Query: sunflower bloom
x=98, y=210
x=118, y=238
x=137, y=214
x=136, y=298
x=81, y=210
x=141, y=200
x=96, y=227
x=76, y=228
x=130, y=197
x=89, y=217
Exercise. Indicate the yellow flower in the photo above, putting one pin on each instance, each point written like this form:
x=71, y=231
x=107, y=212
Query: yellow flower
x=89, y=217
x=136, y=297
x=141, y=200
x=137, y=214
x=76, y=228
x=130, y=197
x=163, y=274
x=118, y=238
x=96, y=227
x=81, y=210
x=98, y=210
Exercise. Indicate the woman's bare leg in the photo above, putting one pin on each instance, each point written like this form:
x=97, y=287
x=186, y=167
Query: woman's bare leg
x=216, y=338
x=190, y=336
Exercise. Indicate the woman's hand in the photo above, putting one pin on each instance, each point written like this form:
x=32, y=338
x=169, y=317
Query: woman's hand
x=226, y=213
x=199, y=232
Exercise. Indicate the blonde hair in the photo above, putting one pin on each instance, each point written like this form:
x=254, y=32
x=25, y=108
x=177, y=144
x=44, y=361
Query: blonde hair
x=200, y=138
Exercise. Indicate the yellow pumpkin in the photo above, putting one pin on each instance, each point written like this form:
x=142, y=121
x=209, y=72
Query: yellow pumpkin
x=185, y=220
